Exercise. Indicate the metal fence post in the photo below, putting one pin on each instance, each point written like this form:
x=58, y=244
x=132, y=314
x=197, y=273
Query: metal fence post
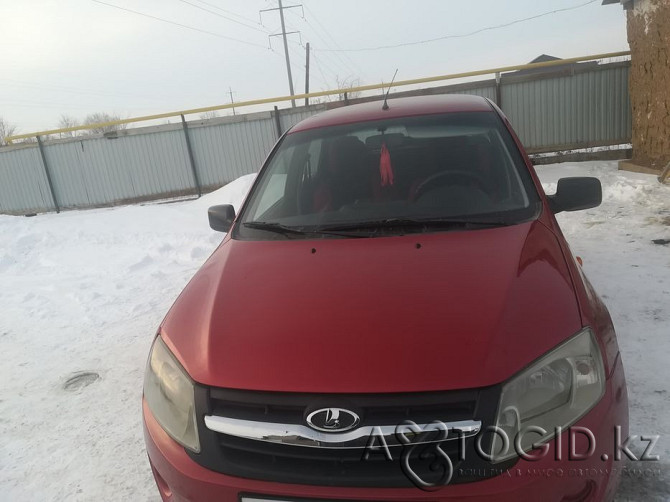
x=499, y=90
x=46, y=171
x=277, y=123
x=190, y=156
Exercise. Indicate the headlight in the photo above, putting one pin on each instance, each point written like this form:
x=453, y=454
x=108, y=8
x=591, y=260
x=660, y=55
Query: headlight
x=555, y=391
x=169, y=393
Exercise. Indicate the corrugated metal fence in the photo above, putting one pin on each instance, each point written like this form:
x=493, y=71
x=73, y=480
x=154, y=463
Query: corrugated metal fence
x=582, y=106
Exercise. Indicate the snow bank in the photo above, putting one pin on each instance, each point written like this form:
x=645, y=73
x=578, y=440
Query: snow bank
x=85, y=291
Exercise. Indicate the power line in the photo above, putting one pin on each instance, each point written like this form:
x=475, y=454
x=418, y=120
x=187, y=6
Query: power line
x=343, y=67
x=228, y=12
x=326, y=66
x=464, y=35
x=334, y=70
x=324, y=79
x=224, y=17
x=340, y=57
x=22, y=103
x=319, y=66
x=178, y=24
x=335, y=43
x=73, y=90
x=298, y=56
x=330, y=69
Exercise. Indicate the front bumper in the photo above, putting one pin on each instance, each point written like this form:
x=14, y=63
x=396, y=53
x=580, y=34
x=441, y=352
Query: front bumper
x=596, y=478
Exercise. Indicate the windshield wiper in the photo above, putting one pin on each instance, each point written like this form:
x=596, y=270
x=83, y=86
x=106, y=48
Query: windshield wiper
x=366, y=228
x=289, y=231
x=274, y=227
x=418, y=223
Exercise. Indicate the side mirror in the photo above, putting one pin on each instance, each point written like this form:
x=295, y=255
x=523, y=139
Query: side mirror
x=575, y=194
x=221, y=217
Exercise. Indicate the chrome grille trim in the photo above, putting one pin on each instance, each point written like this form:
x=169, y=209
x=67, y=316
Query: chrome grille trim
x=300, y=435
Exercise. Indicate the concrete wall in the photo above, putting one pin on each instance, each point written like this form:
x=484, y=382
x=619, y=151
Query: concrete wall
x=649, y=39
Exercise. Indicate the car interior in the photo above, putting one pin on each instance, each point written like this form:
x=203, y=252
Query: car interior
x=396, y=174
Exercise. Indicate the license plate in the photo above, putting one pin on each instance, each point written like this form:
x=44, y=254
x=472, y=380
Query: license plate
x=250, y=499
x=271, y=498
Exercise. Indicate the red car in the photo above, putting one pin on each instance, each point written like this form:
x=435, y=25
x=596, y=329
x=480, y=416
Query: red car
x=394, y=314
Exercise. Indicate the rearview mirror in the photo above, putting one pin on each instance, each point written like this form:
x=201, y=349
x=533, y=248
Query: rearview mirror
x=221, y=217
x=575, y=194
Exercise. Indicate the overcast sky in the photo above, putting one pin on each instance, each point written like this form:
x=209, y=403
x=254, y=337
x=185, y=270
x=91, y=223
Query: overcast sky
x=77, y=57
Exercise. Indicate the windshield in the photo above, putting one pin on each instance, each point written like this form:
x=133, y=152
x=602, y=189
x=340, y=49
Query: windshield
x=396, y=176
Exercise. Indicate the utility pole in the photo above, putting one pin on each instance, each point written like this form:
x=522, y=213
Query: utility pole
x=283, y=34
x=307, y=73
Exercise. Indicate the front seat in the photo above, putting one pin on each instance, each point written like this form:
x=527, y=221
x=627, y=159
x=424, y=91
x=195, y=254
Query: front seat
x=345, y=178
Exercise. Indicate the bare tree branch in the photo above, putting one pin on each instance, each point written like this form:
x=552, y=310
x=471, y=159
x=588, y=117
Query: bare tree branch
x=6, y=129
x=348, y=83
x=101, y=117
x=209, y=115
x=66, y=121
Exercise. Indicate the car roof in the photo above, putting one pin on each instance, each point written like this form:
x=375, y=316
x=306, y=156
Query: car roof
x=400, y=107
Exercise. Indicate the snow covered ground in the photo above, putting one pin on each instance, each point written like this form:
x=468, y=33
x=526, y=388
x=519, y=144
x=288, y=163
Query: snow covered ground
x=85, y=290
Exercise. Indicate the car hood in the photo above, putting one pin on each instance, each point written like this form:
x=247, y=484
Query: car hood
x=421, y=312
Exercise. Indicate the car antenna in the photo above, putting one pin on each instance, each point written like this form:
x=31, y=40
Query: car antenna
x=385, y=106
